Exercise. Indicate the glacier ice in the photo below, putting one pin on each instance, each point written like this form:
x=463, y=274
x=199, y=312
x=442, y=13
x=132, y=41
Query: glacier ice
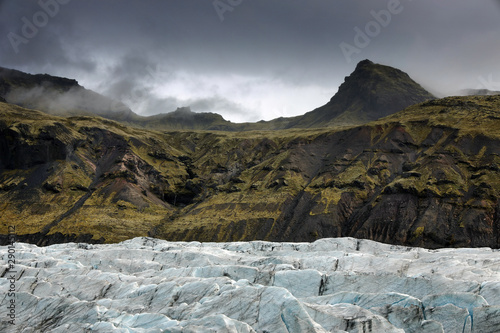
x=331, y=285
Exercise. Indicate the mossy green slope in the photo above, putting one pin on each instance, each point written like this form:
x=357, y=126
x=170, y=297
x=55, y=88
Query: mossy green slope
x=426, y=176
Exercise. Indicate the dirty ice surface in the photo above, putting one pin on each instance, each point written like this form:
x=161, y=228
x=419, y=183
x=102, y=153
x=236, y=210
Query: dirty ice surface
x=331, y=285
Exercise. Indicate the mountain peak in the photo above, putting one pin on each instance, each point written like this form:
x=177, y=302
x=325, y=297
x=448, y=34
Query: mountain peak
x=184, y=110
x=364, y=63
x=18, y=78
x=371, y=92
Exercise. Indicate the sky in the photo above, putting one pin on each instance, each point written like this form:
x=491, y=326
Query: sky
x=249, y=59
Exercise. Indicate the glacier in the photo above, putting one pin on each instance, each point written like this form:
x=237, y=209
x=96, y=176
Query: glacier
x=330, y=285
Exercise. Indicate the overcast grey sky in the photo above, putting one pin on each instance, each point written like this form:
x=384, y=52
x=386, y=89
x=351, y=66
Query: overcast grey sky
x=249, y=59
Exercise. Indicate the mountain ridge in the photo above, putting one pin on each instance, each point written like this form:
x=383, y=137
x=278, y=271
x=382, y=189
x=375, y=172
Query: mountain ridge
x=370, y=92
x=58, y=96
x=481, y=92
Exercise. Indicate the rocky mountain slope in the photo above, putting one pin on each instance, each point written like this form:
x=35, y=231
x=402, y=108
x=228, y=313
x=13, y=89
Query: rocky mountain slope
x=427, y=176
x=372, y=91
x=331, y=285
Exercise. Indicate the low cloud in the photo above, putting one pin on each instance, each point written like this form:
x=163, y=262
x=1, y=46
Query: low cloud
x=76, y=99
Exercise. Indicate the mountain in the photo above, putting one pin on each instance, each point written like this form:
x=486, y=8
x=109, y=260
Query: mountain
x=332, y=285
x=58, y=96
x=481, y=92
x=426, y=176
x=372, y=91
x=65, y=97
x=185, y=119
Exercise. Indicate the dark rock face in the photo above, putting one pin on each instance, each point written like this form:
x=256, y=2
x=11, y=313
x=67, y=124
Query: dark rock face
x=42, y=239
x=18, y=154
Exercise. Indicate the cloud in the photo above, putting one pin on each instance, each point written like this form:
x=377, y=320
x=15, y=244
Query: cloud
x=265, y=58
x=54, y=101
x=216, y=104
x=236, y=97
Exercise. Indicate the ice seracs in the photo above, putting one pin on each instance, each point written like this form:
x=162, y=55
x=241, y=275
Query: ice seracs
x=331, y=285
